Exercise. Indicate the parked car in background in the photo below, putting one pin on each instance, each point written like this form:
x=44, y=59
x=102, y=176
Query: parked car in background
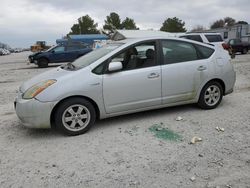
x=208, y=38
x=59, y=53
x=11, y=50
x=17, y=50
x=7, y=52
x=239, y=46
x=123, y=77
x=4, y=51
x=211, y=39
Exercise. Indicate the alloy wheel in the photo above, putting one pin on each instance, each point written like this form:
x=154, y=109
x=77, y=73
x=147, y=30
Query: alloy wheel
x=212, y=95
x=76, y=117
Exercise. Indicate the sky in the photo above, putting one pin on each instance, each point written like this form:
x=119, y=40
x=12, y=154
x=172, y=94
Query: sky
x=23, y=22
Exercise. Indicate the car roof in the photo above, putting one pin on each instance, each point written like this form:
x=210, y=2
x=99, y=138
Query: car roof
x=131, y=34
x=201, y=34
x=137, y=40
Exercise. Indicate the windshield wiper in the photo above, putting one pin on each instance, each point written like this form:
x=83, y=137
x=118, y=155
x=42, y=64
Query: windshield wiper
x=70, y=65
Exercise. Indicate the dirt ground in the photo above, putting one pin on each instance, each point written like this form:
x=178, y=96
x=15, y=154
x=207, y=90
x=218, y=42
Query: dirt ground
x=123, y=151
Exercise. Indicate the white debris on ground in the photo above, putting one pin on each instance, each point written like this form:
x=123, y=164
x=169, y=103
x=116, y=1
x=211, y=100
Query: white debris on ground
x=195, y=139
x=220, y=129
x=179, y=118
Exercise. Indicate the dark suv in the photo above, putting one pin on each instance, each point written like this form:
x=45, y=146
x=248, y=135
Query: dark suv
x=239, y=46
x=60, y=53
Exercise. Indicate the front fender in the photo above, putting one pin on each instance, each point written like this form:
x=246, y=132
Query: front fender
x=83, y=83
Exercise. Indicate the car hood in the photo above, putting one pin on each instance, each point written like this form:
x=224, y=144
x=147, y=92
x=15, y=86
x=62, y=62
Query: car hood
x=34, y=54
x=51, y=74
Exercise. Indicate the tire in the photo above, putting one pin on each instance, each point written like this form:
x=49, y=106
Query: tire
x=75, y=116
x=211, y=95
x=244, y=51
x=42, y=63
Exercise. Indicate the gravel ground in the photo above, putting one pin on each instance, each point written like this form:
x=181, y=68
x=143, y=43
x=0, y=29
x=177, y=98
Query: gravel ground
x=122, y=151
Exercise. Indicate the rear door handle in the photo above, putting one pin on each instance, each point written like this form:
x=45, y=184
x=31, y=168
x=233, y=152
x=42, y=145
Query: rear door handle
x=153, y=75
x=201, y=68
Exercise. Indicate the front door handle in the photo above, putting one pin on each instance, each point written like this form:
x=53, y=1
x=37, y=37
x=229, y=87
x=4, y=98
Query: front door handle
x=153, y=75
x=201, y=68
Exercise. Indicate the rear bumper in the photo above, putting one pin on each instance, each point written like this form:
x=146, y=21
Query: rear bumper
x=231, y=79
x=228, y=92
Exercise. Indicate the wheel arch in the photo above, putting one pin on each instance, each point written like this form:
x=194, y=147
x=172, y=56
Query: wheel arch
x=43, y=57
x=220, y=81
x=52, y=117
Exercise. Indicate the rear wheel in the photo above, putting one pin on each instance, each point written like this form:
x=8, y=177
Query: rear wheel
x=244, y=51
x=75, y=116
x=211, y=95
x=42, y=63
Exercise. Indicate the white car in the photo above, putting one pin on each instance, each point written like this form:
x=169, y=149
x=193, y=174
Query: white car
x=123, y=77
x=4, y=51
x=7, y=52
x=208, y=38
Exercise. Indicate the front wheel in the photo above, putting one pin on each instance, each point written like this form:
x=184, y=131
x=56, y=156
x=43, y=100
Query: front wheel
x=75, y=116
x=42, y=63
x=211, y=95
x=244, y=51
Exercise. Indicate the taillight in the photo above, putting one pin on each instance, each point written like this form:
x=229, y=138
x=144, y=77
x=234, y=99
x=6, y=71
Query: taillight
x=225, y=46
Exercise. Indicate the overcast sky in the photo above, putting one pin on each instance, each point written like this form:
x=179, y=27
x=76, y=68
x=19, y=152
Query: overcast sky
x=22, y=22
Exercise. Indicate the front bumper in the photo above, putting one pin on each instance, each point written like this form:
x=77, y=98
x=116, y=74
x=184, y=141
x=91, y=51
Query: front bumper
x=33, y=113
x=32, y=60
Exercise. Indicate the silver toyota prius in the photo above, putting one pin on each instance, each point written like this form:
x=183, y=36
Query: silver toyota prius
x=124, y=77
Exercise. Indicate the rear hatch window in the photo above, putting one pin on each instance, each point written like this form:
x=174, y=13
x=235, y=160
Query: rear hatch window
x=214, y=38
x=193, y=37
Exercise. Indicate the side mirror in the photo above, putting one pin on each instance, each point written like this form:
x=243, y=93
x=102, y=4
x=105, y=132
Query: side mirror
x=52, y=51
x=115, y=66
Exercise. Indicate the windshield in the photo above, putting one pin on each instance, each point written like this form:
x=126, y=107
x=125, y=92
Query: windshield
x=50, y=48
x=95, y=55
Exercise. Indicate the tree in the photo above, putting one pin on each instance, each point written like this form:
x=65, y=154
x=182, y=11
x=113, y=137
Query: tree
x=75, y=29
x=112, y=22
x=198, y=28
x=229, y=21
x=173, y=25
x=217, y=24
x=129, y=24
x=85, y=25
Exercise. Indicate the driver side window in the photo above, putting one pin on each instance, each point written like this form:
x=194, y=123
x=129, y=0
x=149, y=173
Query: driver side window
x=138, y=56
x=59, y=49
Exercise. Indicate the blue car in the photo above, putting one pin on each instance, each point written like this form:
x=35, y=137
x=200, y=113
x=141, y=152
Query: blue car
x=59, y=53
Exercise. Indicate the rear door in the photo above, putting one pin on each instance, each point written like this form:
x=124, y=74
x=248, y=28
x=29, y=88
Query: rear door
x=182, y=71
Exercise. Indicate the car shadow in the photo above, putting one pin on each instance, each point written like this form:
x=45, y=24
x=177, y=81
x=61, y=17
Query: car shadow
x=145, y=115
x=109, y=122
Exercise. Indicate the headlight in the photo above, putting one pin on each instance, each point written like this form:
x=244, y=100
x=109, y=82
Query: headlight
x=37, y=88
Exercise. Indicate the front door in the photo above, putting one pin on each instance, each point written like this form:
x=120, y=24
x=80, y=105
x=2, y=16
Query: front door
x=58, y=54
x=138, y=84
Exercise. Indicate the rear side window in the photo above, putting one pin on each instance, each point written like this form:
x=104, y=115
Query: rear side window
x=193, y=37
x=204, y=52
x=178, y=51
x=214, y=38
